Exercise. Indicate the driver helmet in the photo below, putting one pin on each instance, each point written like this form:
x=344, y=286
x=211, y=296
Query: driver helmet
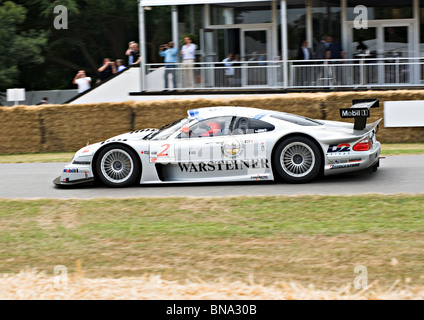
x=215, y=129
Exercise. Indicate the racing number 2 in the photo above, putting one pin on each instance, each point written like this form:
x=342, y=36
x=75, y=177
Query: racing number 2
x=163, y=154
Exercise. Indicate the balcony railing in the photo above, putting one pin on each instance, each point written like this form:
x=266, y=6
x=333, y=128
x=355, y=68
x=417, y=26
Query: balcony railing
x=312, y=74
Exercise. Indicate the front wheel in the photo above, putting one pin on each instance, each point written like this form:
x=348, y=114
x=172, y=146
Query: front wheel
x=297, y=160
x=118, y=166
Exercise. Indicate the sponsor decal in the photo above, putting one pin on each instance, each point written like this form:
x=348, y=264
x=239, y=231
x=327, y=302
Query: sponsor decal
x=231, y=148
x=340, y=161
x=223, y=165
x=355, y=112
x=344, y=166
x=344, y=147
x=82, y=162
x=70, y=170
x=259, y=177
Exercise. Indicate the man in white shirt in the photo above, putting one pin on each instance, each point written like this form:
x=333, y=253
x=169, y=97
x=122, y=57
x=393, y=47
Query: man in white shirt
x=82, y=81
x=188, y=54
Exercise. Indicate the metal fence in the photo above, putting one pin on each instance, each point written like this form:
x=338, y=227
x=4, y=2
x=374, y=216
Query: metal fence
x=346, y=73
x=215, y=75
x=34, y=97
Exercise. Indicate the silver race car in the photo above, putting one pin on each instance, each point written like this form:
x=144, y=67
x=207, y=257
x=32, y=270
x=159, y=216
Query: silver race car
x=231, y=144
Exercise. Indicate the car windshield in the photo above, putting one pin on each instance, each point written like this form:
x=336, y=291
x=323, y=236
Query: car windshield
x=167, y=130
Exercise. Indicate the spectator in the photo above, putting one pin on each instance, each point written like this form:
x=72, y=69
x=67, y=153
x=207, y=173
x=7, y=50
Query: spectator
x=304, y=52
x=171, y=57
x=136, y=57
x=334, y=50
x=188, y=54
x=229, y=70
x=321, y=49
x=44, y=100
x=237, y=70
x=129, y=52
x=107, y=69
x=120, y=65
x=82, y=81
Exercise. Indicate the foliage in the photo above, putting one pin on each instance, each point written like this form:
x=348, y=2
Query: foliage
x=96, y=29
x=20, y=48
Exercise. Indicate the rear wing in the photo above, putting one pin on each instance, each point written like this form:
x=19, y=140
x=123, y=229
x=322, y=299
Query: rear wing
x=360, y=111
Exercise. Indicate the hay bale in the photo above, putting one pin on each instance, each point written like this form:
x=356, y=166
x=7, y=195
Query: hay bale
x=69, y=127
x=19, y=130
x=154, y=114
x=308, y=105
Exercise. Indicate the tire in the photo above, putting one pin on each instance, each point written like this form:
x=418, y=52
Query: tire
x=118, y=166
x=297, y=160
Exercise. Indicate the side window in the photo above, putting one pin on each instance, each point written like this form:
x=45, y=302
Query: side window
x=248, y=126
x=212, y=127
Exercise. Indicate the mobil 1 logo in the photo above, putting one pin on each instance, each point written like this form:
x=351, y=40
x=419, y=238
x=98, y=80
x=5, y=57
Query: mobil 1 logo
x=355, y=112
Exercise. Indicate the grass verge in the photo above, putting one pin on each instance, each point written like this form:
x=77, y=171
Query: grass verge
x=308, y=239
x=394, y=149
x=37, y=157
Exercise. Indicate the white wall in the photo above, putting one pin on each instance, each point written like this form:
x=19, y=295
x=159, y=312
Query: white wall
x=115, y=90
x=404, y=113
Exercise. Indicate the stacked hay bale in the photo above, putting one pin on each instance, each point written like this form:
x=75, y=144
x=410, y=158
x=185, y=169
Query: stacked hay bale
x=69, y=127
x=19, y=130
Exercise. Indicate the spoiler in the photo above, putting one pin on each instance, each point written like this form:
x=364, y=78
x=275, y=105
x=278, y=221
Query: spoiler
x=360, y=111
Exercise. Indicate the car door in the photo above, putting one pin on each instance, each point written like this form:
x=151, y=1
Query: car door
x=199, y=150
x=253, y=135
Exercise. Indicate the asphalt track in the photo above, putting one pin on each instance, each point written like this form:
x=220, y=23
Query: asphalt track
x=397, y=174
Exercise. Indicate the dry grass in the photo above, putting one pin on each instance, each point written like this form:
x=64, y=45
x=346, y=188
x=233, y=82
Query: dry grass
x=309, y=239
x=32, y=285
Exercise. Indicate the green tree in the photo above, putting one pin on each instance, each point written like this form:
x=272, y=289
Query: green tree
x=19, y=48
x=96, y=29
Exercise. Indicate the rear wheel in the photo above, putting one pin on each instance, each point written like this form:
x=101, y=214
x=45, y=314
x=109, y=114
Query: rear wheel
x=118, y=166
x=297, y=160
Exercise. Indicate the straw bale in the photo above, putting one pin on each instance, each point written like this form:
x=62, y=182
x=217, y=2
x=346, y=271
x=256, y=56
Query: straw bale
x=69, y=126
x=156, y=113
x=66, y=127
x=32, y=285
x=19, y=130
